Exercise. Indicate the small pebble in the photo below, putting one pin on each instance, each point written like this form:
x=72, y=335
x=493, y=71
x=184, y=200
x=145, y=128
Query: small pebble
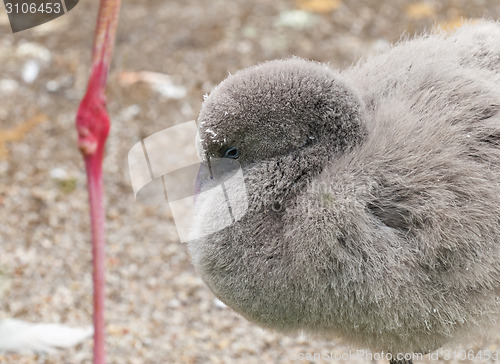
x=8, y=85
x=297, y=19
x=30, y=71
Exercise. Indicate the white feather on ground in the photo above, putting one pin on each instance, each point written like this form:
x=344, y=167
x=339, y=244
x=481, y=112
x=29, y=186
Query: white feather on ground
x=20, y=336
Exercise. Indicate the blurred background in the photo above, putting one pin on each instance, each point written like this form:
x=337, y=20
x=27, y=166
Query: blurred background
x=168, y=55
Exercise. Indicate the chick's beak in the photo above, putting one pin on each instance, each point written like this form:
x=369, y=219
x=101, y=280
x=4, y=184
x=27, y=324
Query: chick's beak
x=213, y=172
x=203, y=176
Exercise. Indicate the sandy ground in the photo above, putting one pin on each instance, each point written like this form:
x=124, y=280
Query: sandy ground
x=158, y=310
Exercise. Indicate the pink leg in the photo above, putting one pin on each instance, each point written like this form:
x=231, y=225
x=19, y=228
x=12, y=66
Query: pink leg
x=92, y=124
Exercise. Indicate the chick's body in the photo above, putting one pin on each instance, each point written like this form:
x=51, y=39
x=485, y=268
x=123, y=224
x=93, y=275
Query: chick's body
x=374, y=194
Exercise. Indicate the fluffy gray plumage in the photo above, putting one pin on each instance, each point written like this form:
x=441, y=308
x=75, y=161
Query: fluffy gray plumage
x=374, y=193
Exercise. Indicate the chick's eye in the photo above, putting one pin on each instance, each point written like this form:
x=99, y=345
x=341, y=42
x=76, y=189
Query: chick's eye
x=232, y=153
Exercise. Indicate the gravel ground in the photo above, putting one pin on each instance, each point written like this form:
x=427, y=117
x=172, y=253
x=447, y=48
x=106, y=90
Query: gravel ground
x=158, y=309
